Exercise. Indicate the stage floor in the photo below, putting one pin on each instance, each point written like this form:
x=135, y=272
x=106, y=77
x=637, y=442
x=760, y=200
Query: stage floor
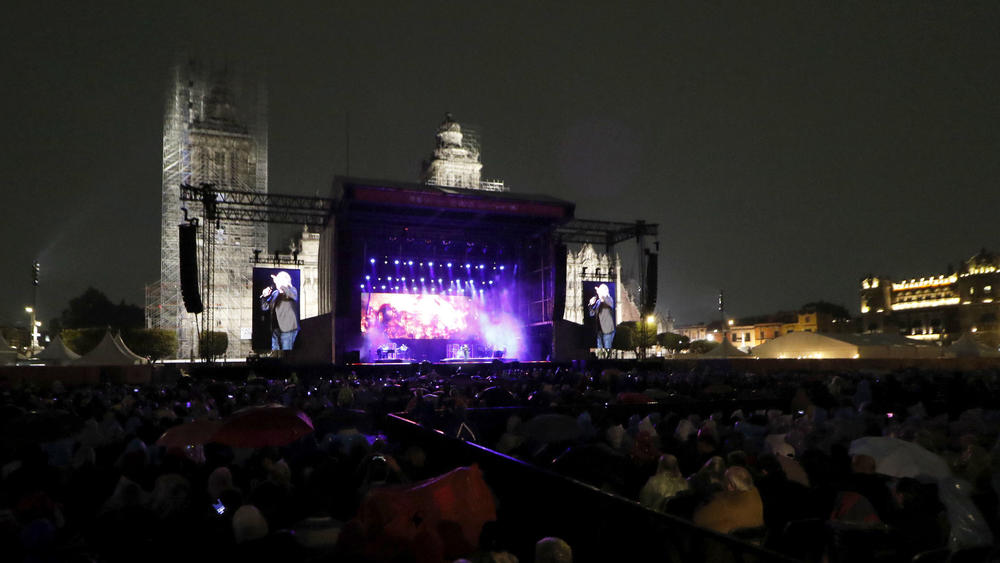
x=448, y=361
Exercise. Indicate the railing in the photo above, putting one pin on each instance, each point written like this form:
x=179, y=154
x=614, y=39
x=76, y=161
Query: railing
x=534, y=503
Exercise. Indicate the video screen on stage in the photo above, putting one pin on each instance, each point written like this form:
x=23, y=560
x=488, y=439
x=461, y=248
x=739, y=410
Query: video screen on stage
x=415, y=316
x=276, y=308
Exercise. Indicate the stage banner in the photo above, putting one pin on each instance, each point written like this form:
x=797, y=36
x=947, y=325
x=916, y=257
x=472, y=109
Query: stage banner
x=276, y=307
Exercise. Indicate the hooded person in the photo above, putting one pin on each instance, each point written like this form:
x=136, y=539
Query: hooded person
x=664, y=484
x=738, y=506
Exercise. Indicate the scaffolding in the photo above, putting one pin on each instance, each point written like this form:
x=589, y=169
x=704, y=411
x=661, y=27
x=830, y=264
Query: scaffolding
x=215, y=131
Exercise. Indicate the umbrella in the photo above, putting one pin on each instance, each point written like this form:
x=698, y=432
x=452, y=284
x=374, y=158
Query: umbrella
x=194, y=433
x=496, y=397
x=900, y=458
x=258, y=427
x=550, y=428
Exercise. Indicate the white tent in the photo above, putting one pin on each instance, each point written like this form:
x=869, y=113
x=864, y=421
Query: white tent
x=968, y=347
x=8, y=355
x=724, y=350
x=827, y=345
x=111, y=352
x=57, y=353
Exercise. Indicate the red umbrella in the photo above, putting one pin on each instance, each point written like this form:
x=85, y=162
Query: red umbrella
x=190, y=434
x=268, y=425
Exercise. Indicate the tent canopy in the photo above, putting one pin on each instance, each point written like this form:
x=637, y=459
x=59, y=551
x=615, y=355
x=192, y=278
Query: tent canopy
x=724, y=350
x=111, y=352
x=829, y=345
x=57, y=353
x=968, y=347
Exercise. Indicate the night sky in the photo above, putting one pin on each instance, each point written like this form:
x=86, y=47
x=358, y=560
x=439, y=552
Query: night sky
x=785, y=150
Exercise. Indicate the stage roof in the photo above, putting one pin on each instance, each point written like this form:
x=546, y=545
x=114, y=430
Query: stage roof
x=361, y=194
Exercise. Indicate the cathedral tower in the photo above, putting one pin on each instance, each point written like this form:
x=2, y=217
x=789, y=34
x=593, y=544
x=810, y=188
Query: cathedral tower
x=215, y=131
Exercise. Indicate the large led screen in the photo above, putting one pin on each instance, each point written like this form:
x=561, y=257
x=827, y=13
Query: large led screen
x=415, y=316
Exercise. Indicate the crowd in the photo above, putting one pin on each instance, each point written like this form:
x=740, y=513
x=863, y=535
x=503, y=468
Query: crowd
x=82, y=479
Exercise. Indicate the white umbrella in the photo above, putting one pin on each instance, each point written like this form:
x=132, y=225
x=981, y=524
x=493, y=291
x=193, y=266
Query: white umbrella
x=899, y=458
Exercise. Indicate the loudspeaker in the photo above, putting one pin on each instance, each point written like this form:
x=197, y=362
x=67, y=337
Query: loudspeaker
x=649, y=295
x=559, y=293
x=187, y=241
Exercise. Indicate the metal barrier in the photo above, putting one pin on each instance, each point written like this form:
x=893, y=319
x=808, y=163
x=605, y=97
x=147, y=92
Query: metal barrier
x=534, y=503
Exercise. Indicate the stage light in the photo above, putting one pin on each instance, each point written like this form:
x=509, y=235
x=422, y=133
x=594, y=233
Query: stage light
x=491, y=282
x=410, y=263
x=468, y=265
x=396, y=262
x=431, y=264
x=449, y=264
x=362, y=286
x=501, y=267
x=402, y=279
x=482, y=267
x=421, y=280
x=383, y=287
x=439, y=280
x=388, y=278
x=372, y=260
x=368, y=277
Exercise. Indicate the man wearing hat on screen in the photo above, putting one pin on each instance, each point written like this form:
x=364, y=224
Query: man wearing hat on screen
x=282, y=301
x=602, y=306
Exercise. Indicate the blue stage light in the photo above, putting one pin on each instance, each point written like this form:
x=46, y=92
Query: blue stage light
x=501, y=267
x=383, y=287
x=410, y=263
x=449, y=264
x=396, y=262
x=468, y=265
x=421, y=280
x=372, y=260
x=368, y=277
x=430, y=264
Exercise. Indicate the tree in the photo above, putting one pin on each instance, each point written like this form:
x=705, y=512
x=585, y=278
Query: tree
x=832, y=309
x=673, y=342
x=82, y=340
x=152, y=343
x=702, y=346
x=212, y=344
x=93, y=309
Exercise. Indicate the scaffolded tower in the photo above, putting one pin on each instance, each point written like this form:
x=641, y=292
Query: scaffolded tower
x=455, y=162
x=214, y=131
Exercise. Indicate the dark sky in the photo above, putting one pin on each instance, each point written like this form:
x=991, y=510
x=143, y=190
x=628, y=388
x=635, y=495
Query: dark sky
x=784, y=149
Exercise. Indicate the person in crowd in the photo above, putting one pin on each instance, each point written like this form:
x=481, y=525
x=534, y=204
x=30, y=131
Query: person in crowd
x=738, y=506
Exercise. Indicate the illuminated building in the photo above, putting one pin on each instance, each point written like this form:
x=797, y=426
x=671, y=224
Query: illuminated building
x=936, y=307
x=751, y=332
x=214, y=131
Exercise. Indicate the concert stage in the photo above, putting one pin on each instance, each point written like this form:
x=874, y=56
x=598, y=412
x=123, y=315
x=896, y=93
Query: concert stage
x=418, y=273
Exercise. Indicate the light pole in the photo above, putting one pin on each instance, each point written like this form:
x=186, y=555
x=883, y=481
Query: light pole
x=34, y=328
x=35, y=270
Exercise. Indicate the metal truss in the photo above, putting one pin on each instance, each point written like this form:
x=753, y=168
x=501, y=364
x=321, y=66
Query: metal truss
x=609, y=233
x=241, y=206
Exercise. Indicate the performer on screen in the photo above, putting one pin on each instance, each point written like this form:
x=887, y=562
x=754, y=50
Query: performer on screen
x=602, y=306
x=282, y=301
